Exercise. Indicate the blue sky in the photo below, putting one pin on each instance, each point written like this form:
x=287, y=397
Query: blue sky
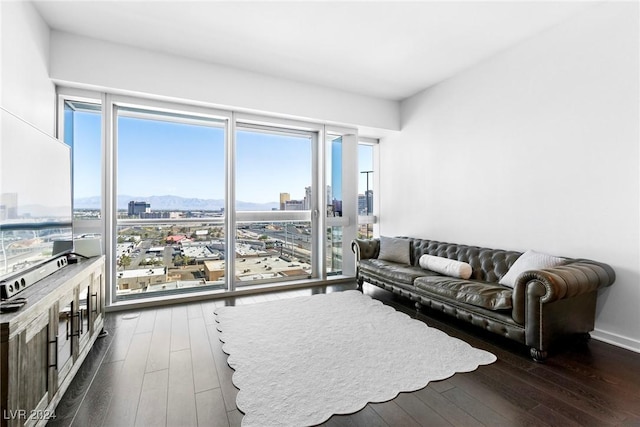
x=268, y=164
x=157, y=158
x=86, y=155
x=162, y=158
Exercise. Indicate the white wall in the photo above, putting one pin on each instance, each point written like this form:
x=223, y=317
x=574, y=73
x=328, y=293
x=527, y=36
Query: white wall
x=82, y=61
x=536, y=148
x=25, y=87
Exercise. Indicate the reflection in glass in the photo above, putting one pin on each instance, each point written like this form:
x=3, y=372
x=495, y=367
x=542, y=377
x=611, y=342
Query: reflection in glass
x=35, y=209
x=334, y=250
x=334, y=175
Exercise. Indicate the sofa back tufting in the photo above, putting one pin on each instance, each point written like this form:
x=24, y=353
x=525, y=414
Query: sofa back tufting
x=489, y=265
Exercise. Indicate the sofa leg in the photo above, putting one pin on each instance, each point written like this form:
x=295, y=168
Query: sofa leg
x=360, y=283
x=538, y=355
x=418, y=306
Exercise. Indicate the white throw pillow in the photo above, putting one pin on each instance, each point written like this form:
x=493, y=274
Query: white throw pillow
x=394, y=249
x=530, y=260
x=446, y=266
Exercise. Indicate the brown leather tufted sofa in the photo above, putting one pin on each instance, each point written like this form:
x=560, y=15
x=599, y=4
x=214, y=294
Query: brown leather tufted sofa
x=544, y=305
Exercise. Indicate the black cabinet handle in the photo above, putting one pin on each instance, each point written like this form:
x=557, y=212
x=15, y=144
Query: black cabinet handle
x=55, y=341
x=78, y=315
x=69, y=321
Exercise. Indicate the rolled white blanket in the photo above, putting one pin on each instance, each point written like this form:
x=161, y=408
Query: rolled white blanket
x=446, y=266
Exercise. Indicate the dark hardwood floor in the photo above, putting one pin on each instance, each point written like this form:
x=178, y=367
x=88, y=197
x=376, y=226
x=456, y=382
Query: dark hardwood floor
x=165, y=366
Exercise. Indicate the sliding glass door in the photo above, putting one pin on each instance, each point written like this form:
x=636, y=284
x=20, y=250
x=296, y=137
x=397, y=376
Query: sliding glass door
x=275, y=197
x=196, y=209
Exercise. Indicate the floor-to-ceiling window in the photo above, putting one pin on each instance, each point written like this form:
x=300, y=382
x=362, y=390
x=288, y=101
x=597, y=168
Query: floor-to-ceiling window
x=367, y=179
x=81, y=129
x=274, y=193
x=170, y=201
x=192, y=199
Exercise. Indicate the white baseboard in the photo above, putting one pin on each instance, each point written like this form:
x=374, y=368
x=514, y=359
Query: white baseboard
x=617, y=340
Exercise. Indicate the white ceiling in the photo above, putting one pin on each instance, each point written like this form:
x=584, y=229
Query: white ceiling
x=388, y=50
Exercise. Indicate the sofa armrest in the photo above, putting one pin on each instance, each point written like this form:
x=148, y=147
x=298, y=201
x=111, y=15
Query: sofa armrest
x=552, y=284
x=365, y=248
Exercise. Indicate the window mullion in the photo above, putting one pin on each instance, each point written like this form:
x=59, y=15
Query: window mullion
x=230, y=198
x=109, y=197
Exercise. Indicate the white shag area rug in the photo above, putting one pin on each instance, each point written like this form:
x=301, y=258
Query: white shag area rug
x=299, y=361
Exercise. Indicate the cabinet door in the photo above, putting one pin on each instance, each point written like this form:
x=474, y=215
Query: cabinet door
x=96, y=304
x=84, y=312
x=66, y=327
x=28, y=370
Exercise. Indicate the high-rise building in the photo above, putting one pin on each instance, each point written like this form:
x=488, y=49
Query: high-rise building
x=368, y=195
x=8, y=206
x=307, y=198
x=362, y=204
x=137, y=208
x=294, y=205
x=365, y=203
x=284, y=198
x=337, y=207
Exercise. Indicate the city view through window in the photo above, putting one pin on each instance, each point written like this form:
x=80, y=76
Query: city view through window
x=171, y=204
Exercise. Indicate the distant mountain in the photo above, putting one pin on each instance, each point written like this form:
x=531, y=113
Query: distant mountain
x=174, y=203
x=87, y=203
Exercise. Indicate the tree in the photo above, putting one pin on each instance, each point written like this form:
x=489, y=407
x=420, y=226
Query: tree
x=124, y=261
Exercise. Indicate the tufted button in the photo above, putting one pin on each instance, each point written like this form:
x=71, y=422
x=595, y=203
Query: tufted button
x=487, y=264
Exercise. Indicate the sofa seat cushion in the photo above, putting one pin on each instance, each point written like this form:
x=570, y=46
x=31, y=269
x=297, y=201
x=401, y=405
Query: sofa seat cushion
x=392, y=271
x=481, y=294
